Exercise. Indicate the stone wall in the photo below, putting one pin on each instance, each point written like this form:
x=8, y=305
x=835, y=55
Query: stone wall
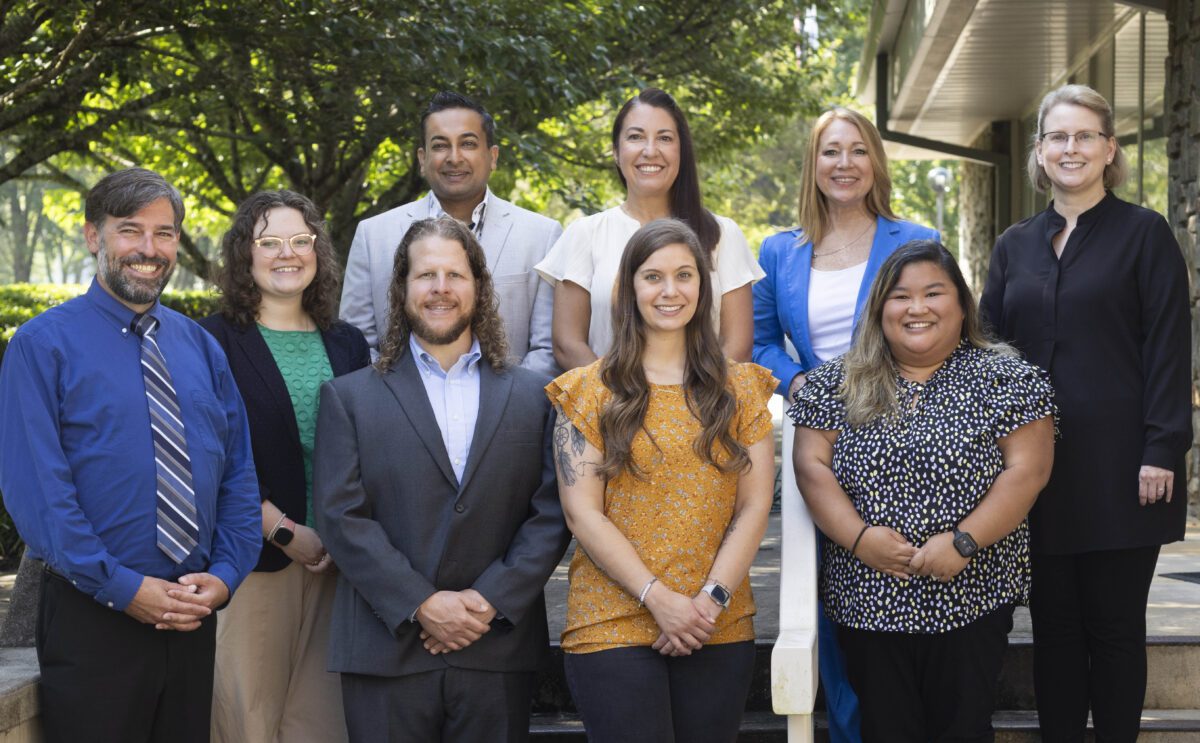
x=976, y=217
x=1183, y=150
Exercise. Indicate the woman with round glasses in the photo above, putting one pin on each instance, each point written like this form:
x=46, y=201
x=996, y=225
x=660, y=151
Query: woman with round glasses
x=278, y=325
x=1095, y=291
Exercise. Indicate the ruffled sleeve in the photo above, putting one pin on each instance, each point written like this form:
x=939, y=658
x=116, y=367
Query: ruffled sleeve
x=570, y=258
x=581, y=396
x=1018, y=393
x=734, y=263
x=753, y=385
x=818, y=404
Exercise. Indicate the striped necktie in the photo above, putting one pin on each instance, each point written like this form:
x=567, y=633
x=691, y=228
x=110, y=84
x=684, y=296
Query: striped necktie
x=176, y=504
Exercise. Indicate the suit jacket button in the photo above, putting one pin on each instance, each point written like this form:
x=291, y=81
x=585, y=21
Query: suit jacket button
x=459, y=507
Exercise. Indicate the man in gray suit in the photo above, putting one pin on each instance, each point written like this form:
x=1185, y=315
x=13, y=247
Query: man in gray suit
x=435, y=494
x=457, y=156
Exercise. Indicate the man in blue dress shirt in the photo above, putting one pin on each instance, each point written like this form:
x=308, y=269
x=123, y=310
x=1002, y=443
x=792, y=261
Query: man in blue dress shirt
x=125, y=463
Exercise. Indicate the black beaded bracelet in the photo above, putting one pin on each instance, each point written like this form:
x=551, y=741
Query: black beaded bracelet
x=859, y=539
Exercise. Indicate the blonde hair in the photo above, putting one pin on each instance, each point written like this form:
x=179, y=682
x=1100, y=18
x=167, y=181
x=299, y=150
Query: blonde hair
x=814, y=213
x=869, y=389
x=1115, y=172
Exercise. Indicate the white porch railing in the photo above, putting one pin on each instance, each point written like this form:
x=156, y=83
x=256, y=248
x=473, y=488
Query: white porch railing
x=794, y=658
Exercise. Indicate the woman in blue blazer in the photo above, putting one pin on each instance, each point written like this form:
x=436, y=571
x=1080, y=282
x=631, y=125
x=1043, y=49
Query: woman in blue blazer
x=278, y=325
x=817, y=278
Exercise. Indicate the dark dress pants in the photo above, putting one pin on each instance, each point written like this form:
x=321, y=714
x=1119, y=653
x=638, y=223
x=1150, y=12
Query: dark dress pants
x=452, y=705
x=637, y=695
x=1089, y=642
x=914, y=688
x=107, y=677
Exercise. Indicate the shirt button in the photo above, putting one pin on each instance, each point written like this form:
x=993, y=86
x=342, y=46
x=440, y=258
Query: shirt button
x=456, y=417
x=124, y=331
x=110, y=605
x=459, y=507
x=457, y=460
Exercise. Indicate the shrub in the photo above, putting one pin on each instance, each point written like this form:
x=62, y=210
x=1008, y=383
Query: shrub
x=22, y=302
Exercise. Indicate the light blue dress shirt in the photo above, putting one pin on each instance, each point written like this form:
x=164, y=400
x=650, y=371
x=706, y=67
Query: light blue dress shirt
x=454, y=397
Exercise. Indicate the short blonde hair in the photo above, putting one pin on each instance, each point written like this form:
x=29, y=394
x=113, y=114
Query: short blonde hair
x=1115, y=172
x=814, y=213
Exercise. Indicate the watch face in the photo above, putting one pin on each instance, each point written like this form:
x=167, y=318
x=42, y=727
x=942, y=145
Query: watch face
x=283, y=537
x=720, y=595
x=965, y=544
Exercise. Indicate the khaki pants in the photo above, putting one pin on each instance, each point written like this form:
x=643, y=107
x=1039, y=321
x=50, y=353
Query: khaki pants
x=271, y=683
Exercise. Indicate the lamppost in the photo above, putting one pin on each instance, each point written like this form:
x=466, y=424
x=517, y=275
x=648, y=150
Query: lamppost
x=939, y=180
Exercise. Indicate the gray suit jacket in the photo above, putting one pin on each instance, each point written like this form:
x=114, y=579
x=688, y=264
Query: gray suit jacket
x=399, y=526
x=514, y=240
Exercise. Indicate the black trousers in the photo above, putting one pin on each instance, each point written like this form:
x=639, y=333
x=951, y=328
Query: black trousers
x=452, y=705
x=636, y=695
x=107, y=677
x=914, y=688
x=1089, y=642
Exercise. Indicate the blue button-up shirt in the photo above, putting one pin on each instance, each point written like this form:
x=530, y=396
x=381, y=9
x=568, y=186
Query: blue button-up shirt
x=76, y=458
x=454, y=396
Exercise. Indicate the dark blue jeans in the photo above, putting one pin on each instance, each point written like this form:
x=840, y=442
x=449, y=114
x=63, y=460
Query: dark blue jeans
x=631, y=695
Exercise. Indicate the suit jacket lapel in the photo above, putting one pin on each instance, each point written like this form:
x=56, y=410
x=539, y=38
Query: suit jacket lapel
x=258, y=352
x=494, y=391
x=405, y=383
x=339, y=360
x=497, y=223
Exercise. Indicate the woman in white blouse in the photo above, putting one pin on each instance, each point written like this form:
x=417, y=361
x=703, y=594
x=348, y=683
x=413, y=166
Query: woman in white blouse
x=656, y=163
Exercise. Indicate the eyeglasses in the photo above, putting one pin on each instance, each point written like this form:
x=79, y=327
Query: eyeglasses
x=302, y=244
x=1082, y=139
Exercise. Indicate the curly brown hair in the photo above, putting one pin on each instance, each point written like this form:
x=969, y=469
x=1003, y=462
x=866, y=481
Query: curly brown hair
x=706, y=374
x=240, y=296
x=486, y=325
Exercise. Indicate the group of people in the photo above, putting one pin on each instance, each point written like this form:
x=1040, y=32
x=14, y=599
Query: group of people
x=374, y=494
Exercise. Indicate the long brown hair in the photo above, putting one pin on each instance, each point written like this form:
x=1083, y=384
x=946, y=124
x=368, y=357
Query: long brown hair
x=869, y=390
x=687, y=204
x=486, y=326
x=814, y=212
x=706, y=373
x=240, y=296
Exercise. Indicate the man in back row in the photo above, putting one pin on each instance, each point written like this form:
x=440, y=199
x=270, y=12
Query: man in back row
x=457, y=156
x=125, y=464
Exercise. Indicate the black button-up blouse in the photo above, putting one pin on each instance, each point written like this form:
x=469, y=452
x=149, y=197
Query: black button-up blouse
x=920, y=472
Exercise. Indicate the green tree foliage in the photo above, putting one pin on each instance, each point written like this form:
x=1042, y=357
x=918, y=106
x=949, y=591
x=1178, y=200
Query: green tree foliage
x=323, y=96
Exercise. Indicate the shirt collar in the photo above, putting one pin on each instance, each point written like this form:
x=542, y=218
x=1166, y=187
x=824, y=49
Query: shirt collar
x=467, y=363
x=477, y=214
x=114, y=309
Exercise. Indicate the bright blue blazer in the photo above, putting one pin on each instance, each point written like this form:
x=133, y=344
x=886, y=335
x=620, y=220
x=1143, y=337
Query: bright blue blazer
x=781, y=298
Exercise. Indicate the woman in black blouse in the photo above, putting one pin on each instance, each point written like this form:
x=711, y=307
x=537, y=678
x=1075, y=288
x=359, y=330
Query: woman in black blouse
x=919, y=454
x=1094, y=290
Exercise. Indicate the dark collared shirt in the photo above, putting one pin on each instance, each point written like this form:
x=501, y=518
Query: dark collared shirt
x=76, y=458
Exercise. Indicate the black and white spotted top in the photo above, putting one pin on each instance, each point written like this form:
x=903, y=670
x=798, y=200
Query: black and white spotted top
x=921, y=472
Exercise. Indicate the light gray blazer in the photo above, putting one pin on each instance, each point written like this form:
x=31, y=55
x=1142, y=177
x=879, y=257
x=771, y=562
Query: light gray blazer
x=514, y=240
x=400, y=526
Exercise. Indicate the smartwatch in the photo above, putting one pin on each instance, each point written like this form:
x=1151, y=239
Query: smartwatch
x=284, y=533
x=718, y=593
x=965, y=543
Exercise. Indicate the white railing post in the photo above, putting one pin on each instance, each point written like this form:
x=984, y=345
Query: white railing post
x=794, y=670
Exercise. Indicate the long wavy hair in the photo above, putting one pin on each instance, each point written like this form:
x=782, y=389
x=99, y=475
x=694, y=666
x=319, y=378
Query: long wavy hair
x=486, y=325
x=814, y=211
x=240, y=296
x=706, y=372
x=686, y=203
x=1115, y=172
x=869, y=390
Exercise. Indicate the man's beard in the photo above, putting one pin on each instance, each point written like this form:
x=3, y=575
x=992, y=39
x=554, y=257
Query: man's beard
x=132, y=290
x=429, y=335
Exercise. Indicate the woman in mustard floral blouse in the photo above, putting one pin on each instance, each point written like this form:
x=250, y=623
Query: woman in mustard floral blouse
x=666, y=469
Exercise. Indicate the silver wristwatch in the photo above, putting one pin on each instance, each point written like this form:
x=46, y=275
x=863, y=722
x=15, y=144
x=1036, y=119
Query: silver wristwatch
x=718, y=593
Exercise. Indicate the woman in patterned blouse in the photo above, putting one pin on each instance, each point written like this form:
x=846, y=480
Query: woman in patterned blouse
x=665, y=468
x=919, y=453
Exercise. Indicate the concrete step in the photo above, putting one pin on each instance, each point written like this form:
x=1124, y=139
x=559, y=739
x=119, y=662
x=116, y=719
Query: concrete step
x=1012, y=726
x=1173, y=682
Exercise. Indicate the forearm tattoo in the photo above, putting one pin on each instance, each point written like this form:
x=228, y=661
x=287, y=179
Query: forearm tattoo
x=730, y=529
x=569, y=445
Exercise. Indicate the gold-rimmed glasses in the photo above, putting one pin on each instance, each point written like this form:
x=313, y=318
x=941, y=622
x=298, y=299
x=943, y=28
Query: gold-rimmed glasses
x=1059, y=140
x=302, y=244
